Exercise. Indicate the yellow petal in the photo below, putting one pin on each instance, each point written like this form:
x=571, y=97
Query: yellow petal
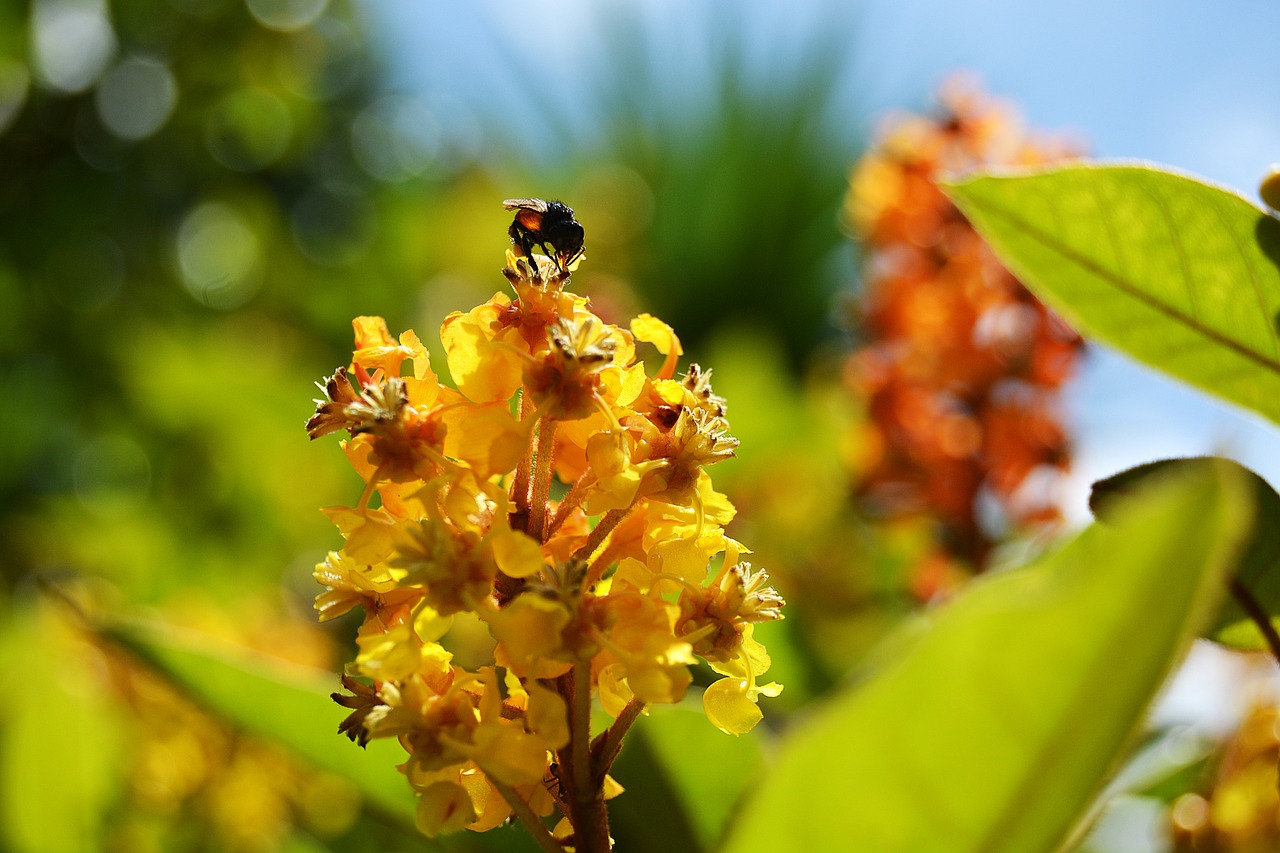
x=491, y=809
x=430, y=625
x=547, y=716
x=648, y=328
x=444, y=807
x=371, y=534
x=483, y=370
x=528, y=633
x=391, y=655
x=517, y=555
x=371, y=331
x=729, y=708
x=376, y=349
x=614, y=690
x=508, y=754
x=486, y=437
x=612, y=788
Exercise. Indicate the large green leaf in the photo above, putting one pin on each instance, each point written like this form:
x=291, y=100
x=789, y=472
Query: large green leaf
x=1257, y=575
x=1179, y=274
x=270, y=698
x=290, y=705
x=707, y=768
x=1000, y=721
x=61, y=739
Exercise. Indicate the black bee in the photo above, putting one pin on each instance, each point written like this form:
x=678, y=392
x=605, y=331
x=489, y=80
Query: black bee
x=549, y=225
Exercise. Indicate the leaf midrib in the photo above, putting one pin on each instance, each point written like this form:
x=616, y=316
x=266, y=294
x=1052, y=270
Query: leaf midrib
x=1122, y=285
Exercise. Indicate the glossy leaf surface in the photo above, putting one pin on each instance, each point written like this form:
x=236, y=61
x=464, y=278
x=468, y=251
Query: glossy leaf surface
x=1177, y=273
x=1258, y=571
x=1002, y=719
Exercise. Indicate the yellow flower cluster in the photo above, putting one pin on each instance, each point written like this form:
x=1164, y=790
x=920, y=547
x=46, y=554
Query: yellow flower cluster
x=560, y=494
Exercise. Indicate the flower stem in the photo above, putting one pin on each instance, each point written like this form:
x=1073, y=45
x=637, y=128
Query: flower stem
x=611, y=520
x=530, y=820
x=606, y=746
x=520, y=482
x=542, y=471
x=590, y=819
x=571, y=501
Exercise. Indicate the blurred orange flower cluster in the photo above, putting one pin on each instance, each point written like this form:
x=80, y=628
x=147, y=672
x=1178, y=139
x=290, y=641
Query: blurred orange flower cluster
x=961, y=367
x=560, y=495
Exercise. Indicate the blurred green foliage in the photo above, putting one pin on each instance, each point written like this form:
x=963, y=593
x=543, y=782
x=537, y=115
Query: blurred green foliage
x=716, y=180
x=198, y=196
x=158, y=285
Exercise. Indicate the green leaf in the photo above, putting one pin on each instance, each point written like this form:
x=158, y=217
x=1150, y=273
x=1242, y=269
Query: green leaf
x=1001, y=721
x=708, y=768
x=61, y=740
x=1178, y=274
x=282, y=702
x=1258, y=574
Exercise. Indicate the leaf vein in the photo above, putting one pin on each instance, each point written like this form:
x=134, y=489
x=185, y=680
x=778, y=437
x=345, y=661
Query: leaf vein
x=1254, y=279
x=1175, y=239
x=1089, y=265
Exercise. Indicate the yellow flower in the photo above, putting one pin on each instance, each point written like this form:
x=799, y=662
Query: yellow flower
x=529, y=630
x=714, y=619
x=444, y=807
x=453, y=552
x=482, y=359
x=349, y=584
x=388, y=654
x=650, y=329
x=731, y=703
x=485, y=435
x=506, y=749
x=377, y=350
x=601, y=590
x=370, y=533
x=640, y=637
x=564, y=382
x=487, y=346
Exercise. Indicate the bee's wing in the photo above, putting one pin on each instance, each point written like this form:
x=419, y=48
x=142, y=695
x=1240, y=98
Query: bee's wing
x=537, y=205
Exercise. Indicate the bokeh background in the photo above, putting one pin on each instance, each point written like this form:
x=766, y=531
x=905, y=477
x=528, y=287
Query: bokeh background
x=197, y=196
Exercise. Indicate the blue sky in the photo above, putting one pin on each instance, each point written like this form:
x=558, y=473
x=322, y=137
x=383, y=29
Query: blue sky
x=1185, y=82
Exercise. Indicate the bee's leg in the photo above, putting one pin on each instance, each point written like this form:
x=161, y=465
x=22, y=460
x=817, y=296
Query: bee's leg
x=520, y=239
x=552, y=254
x=523, y=244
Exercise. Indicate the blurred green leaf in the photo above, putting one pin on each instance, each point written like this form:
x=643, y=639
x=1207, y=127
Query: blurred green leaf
x=707, y=768
x=60, y=745
x=998, y=727
x=1258, y=572
x=729, y=207
x=282, y=702
x=1181, y=275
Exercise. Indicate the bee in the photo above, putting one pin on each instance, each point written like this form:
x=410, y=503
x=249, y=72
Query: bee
x=549, y=225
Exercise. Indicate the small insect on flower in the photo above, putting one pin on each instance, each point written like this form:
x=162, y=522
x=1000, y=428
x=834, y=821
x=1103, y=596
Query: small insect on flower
x=549, y=225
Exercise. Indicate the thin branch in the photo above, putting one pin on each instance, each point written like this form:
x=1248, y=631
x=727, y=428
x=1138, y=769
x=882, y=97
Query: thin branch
x=1260, y=617
x=581, y=728
x=520, y=482
x=597, y=567
x=570, y=502
x=608, y=744
x=542, y=472
x=591, y=824
x=611, y=520
x=530, y=820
